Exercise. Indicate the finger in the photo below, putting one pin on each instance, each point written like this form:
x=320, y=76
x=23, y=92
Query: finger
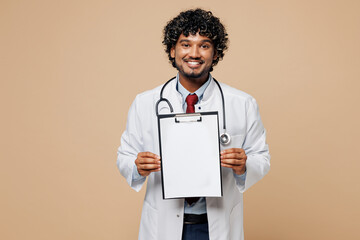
x=235, y=162
x=232, y=155
x=228, y=165
x=148, y=155
x=147, y=172
x=149, y=166
x=143, y=160
x=232, y=150
x=239, y=169
x=155, y=170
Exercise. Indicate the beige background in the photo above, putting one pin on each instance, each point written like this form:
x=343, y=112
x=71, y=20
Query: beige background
x=69, y=71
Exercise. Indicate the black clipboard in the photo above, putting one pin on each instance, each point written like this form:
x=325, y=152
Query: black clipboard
x=190, y=155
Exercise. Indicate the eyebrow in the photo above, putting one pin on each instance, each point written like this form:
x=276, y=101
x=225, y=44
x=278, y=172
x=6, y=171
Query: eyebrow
x=186, y=40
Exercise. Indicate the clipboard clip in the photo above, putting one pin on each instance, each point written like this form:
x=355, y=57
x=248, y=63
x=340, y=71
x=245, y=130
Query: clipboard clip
x=189, y=117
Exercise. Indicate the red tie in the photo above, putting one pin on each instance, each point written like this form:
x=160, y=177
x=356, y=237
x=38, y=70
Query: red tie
x=191, y=100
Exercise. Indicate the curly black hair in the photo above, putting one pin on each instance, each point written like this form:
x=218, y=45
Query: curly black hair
x=191, y=22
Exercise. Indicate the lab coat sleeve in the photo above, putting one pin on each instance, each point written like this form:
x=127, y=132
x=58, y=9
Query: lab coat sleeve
x=131, y=144
x=255, y=146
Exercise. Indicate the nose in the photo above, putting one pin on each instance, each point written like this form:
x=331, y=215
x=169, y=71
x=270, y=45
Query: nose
x=194, y=52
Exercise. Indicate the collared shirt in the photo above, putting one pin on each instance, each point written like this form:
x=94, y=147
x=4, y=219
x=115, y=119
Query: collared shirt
x=184, y=92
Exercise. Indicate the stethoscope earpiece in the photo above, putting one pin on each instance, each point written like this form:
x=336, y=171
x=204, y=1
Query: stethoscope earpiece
x=225, y=139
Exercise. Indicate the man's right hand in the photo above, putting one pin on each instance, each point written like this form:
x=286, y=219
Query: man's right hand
x=147, y=162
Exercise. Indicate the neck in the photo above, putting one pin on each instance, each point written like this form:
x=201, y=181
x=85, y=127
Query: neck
x=192, y=84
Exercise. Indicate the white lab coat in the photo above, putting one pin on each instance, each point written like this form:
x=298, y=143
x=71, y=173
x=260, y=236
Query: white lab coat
x=163, y=219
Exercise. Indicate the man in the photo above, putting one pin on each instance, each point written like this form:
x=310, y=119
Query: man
x=195, y=42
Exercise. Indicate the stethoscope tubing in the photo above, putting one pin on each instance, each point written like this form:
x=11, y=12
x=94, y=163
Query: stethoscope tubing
x=225, y=138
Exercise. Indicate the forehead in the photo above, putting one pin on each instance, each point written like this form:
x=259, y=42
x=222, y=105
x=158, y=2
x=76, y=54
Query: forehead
x=194, y=38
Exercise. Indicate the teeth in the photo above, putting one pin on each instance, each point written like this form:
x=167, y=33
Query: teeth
x=193, y=63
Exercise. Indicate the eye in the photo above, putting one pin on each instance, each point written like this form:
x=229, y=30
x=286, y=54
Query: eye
x=185, y=45
x=205, y=46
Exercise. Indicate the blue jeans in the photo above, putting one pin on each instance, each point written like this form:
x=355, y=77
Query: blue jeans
x=195, y=232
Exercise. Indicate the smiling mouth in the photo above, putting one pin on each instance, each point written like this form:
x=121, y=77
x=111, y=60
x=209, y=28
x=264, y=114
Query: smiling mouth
x=193, y=63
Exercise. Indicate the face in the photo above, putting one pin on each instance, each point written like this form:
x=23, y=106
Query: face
x=193, y=56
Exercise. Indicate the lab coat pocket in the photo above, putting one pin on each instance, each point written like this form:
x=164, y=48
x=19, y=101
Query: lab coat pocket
x=149, y=223
x=236, y=141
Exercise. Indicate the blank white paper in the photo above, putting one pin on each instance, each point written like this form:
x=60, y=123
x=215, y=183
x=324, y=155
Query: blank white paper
x=190, y=157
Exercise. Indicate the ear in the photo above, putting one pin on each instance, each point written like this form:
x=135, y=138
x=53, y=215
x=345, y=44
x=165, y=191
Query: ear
x=215, y=55
x=172, y=52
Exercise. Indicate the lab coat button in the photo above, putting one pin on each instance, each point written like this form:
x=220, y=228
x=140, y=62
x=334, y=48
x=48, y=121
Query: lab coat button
x=178, y=215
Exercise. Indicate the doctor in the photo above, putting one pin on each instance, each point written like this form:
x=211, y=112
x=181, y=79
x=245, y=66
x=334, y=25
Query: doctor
x=195, y=41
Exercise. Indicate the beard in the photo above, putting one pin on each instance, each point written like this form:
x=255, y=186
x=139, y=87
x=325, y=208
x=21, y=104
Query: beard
x=192, y=74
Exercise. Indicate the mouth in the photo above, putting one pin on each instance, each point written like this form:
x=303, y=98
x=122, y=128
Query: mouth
x=193, y=63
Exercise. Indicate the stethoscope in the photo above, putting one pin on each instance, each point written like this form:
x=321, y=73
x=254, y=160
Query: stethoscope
x=224, y=137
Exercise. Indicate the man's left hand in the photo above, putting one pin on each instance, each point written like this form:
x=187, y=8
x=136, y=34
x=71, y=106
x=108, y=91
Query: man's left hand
x=234, y=158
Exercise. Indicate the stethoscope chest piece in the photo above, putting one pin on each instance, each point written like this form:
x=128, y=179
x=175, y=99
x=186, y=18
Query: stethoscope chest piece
x=224, y=139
